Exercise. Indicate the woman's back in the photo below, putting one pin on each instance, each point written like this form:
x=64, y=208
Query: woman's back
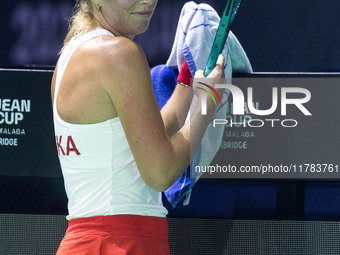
x=101, y=176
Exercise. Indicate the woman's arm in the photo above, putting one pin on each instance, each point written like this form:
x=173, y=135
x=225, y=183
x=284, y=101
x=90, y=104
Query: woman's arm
x=175, y=111
x=126, y=78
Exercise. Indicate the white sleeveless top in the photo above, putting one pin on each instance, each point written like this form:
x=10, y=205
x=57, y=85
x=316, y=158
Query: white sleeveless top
x=100, y=173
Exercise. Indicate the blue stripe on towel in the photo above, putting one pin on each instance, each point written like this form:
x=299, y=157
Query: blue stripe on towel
x=200, y=25
x=200, y=9
x=189, y=58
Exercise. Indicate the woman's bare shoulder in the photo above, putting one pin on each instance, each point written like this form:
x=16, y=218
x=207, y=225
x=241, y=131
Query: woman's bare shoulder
x=112, y=57
x=107, y=47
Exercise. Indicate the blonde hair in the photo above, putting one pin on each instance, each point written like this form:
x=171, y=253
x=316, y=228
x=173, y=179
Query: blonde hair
x=81, y=20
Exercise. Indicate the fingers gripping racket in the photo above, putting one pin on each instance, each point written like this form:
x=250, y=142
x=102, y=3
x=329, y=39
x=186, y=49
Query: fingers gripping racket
x=222, y=34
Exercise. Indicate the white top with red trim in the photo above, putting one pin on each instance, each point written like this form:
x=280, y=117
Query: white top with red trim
x=100, y=173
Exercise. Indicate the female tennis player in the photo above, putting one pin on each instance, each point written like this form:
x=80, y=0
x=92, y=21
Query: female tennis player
x=117, y=151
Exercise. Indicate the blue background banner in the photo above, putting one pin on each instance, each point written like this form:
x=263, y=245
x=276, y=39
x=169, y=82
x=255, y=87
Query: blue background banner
x=279, y=36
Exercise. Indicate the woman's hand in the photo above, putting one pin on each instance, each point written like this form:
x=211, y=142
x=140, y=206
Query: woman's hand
x=202, y=84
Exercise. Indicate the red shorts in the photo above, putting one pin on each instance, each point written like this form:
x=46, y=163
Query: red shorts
x=116, y=235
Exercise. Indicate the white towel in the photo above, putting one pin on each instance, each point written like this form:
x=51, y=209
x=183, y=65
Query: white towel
x=194, y=38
